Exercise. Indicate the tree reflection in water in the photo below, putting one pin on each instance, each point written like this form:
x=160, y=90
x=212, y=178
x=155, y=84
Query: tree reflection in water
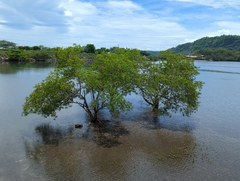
x=52, y=135
x=114, y=150
x=151, y=121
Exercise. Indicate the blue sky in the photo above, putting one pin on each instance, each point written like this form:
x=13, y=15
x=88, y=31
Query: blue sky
x=143, y=24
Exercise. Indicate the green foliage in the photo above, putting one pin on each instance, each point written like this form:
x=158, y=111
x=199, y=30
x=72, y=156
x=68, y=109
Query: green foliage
x=59, y=89
x=52, y=94
x=25, y=48
x=17, y=55
x=20, y=55
x=24, y=53
x=156, y=53
x=89, y=48
x=40, y=55
x=230, y=42
x=101, y=50
x=36, y=48
x=170, y=85
x=185, y=48
x=153, y=58
x=150, y=55
x=103, y=84
x=7, y=44
x=40, y=47
x=219, y=54
x=3, y=54
x=116, y=75
x=144, y=53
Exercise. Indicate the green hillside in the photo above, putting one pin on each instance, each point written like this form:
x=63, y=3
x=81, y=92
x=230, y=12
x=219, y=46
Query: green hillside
x=225, y=47
x=230, y=42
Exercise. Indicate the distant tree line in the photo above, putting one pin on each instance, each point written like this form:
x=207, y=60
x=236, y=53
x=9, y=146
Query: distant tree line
x=150, y=55
x=218, y=54
x=9, y=51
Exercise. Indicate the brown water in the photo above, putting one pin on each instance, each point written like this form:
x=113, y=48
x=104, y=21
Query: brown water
x=136, y=146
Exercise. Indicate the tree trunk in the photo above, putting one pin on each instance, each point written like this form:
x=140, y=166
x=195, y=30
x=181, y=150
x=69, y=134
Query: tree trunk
x=93, y=115
x=155, y=106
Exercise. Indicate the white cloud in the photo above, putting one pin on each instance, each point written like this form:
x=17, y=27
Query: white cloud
x=126, y=23
x=124, y=5
x=119, y=22
x=2, y=20
x=228, y=26
x=224, y=32
x=187, y=40
x=77, y=8
x=219, y=28
x=36, y=35
x=67, y=13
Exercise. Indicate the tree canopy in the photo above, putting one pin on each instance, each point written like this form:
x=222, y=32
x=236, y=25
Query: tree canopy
x=89, y=48
x=104, y=83
x=168, y=86
x=17, y=55
x=7, y=44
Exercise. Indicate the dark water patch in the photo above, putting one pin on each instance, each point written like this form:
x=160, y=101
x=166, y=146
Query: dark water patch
x=151, y=121
x=52, y=135
x=219, y=71
x=106, y=134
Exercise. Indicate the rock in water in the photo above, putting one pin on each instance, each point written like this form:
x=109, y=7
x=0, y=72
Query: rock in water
x=78, y=125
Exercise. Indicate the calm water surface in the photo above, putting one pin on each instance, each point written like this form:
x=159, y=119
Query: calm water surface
x=137, y=146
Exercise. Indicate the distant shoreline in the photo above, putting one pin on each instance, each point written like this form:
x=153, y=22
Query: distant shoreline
x=217, y=60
